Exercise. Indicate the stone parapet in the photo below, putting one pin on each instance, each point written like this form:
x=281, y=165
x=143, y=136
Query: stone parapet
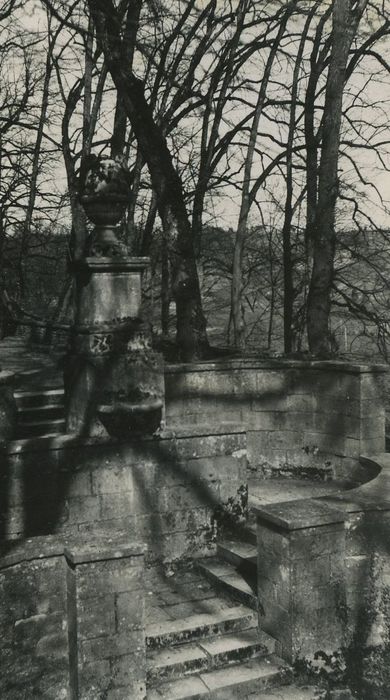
x=306, y=418
x=173, y=492
x=324, y=573
x=72, y=625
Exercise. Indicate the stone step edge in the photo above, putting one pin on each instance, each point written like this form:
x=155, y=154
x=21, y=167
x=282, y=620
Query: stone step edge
x=25, y=442
x=19, y=394
x=205, y=658
x=36, y=409
x=41, y=423
x=255, y=676
x=229, y=583
x=195, y=627
x=232, y=551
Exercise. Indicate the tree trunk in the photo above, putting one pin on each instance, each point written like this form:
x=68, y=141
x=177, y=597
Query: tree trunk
x=146, y=237
x=118, y=140
x=191, y=325
x=165, y=295
x=288, y=286
x=246, y=200
x=26, y=230
x=345, y=23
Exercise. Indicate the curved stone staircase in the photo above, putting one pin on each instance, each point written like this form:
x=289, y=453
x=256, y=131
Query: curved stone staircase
x=205, y=642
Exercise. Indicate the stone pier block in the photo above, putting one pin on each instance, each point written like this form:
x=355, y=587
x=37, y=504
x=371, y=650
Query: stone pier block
x=72, y=620
x=301, y=577
x=107, y=631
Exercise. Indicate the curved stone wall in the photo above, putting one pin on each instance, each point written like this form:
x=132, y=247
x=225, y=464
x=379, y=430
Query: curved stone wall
x=303, y=418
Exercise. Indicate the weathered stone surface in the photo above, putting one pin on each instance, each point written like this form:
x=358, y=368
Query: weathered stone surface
x=297, y=515
x=33, y=639
x=302, y=577
x=335, y=409
x=181, y=483
x=66, y=626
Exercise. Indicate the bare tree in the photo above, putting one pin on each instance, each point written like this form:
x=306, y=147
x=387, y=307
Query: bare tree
x=246, y=198
x=191, y=326
x=346, y=18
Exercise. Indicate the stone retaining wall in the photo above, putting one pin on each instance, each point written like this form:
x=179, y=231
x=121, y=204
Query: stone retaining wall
x=302, y=418
x=170, y=492
x=72, y=621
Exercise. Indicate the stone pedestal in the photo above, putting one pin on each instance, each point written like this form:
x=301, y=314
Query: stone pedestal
x=301, y=577
x=111, y=364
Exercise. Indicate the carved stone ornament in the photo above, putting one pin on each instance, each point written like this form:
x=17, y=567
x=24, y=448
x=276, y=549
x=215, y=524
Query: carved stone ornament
x=105, y=196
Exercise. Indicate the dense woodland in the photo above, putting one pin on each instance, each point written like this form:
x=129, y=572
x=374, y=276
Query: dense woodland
x=257, y=136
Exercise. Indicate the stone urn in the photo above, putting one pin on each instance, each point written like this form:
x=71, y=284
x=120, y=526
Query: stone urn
x=105, y=196
x=114, y=380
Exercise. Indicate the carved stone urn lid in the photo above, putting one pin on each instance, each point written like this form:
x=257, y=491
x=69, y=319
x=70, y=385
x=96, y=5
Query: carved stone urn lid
x=105, y=178
x=104, y=195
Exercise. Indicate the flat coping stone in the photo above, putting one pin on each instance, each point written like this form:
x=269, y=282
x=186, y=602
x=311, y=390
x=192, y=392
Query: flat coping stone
x=245, y=363
x=103, y=551
x=76, y=549
x=299, y=515
x=7, y=377
x=69, y=441
x=354, y=503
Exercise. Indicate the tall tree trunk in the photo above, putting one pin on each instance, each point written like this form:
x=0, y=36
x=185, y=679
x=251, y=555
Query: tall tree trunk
x=90, y=116
x=246, y=200
x=118, y=140
x=191, y=325
x=317, y=59
x=130, y=238
x=35, y=165
x=288, y=286
x=345, y=24
x=165, y=294
x=146, y=237
x=211, y=124
x=79, y=227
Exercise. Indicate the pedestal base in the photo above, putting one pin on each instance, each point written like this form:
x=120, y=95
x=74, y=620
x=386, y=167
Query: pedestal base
x=111, y=361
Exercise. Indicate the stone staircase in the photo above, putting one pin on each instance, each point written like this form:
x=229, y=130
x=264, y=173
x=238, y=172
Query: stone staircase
x=40, y=413
x=217, y=651
x=234, y=569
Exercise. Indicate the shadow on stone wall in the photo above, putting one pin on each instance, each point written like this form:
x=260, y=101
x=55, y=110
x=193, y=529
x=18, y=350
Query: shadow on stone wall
x=141, y=487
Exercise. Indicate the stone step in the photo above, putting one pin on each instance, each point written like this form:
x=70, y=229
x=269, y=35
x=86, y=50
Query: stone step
x=40, y=428
x=240, y=554
x=249, y=678
x=228, y=579
x=50, y=411
x=250, y=534
x=194, y=627
x=175, y=661
x=39, y=398
x=206, y=654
